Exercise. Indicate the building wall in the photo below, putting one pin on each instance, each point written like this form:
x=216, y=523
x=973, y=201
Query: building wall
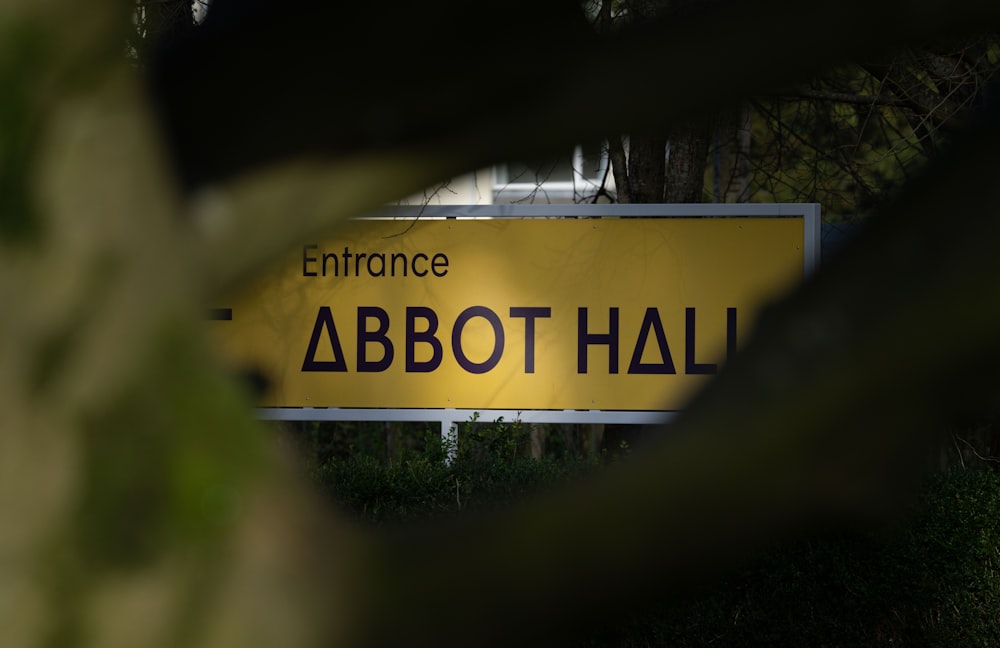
x=470, y=189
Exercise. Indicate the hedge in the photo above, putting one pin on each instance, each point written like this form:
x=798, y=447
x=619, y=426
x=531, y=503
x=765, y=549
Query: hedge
x=934, y=582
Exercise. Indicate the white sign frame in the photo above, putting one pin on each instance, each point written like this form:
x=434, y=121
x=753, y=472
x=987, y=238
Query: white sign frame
x=450, y=418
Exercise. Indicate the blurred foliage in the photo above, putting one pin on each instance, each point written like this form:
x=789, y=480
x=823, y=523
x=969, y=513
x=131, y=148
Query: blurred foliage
x=933, y=580
x=143, y=505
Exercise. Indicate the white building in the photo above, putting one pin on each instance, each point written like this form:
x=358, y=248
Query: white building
x=580, y=176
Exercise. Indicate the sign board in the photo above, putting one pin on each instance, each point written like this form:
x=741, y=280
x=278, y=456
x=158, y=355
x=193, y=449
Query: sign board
x=556, y=308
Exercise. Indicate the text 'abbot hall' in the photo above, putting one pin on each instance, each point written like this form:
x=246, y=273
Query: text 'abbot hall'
x=421, y=326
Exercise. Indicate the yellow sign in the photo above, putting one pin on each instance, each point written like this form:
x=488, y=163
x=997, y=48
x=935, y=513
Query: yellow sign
x=516, y=314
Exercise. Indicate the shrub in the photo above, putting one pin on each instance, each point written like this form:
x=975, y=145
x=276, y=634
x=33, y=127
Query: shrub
x=486, y=468
x=933, y=582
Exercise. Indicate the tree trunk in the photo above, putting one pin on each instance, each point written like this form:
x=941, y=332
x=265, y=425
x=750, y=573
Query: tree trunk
x=733, y=168
x=685, y=167
x=536, y=436
x=646, y=168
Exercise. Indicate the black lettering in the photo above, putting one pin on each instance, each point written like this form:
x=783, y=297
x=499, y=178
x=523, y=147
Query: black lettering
x=381, y=268
x=426, y=336
x=585, y=339
x=324, y=321
x=651, y=320
x=690, y=366
x=376, y=337
x=306, y=259
x=347, y=261
x=316, y=262
x=456, y=339
x=440, y=260
x=336, y=264
x=730, y=333
x=529, y=314
x=397, y=256
x=413, y=264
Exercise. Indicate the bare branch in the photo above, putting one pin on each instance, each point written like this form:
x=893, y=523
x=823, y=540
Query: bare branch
x=848, y=98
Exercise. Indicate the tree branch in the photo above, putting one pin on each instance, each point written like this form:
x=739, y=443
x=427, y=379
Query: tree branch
x=846, y=98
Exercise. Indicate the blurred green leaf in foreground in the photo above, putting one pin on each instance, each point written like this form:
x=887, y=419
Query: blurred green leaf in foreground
x=141, y=505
